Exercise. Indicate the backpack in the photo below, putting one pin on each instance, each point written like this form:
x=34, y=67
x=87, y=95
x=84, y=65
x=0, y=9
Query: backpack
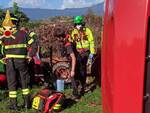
x=48, y=101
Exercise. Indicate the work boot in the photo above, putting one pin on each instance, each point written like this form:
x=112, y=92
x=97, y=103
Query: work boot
x=82, y=91
x=13, y=104
x=75, y=94
x=27, y=102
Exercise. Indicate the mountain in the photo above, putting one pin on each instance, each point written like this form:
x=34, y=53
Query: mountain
x=37, y=13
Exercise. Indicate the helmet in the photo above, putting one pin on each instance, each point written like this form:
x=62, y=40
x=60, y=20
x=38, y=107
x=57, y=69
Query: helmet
x=78, y=20
x=9, y=19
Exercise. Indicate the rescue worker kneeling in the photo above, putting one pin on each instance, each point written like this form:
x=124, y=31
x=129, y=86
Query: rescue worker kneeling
x=15, y=44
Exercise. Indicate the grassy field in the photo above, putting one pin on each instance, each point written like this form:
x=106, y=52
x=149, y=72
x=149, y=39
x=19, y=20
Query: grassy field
x=89, y=103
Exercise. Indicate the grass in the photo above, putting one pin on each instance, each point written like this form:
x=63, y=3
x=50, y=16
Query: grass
x=89, y=103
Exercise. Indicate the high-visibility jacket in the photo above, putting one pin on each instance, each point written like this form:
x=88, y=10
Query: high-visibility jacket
x=1, y=49
x=17, y=48
x=1, y=32
x=2, y=64
x=33, y=35
x=83, y=39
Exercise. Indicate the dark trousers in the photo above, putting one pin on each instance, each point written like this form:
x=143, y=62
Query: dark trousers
x=12, y=67
x=74, y=87
x=31, y=73
x=82, y=59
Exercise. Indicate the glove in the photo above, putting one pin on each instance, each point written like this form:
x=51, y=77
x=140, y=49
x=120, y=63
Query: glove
x=37, y=55
x=4, y=60
x=91, y=56
x=90, y=59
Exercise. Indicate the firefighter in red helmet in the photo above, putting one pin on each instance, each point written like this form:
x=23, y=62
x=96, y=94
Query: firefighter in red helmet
x=15, y=44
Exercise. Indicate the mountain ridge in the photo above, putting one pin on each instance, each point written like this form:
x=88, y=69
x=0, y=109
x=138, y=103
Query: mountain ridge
x=38, y=13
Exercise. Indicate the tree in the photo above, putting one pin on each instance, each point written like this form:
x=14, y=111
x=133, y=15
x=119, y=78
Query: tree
x=1, y=11
x=15, y=8
x=1, y=15
x=22, y=16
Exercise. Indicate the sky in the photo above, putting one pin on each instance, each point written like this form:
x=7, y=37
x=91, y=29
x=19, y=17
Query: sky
x=50, y=4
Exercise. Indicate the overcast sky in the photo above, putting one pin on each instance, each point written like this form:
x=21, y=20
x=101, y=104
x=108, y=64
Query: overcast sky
x=49, y=4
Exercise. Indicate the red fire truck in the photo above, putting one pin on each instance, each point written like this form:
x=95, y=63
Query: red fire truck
x=126, y=57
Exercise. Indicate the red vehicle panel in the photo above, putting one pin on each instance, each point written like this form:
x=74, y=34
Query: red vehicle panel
x=123, y=55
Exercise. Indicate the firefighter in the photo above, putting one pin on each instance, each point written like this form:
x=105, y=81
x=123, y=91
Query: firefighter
x=31, y=34
x=67, y=51
x=83, y=38
x=32, y=63
x=15, y=44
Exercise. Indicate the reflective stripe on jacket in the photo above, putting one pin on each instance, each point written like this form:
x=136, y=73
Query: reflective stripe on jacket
x=17, y=48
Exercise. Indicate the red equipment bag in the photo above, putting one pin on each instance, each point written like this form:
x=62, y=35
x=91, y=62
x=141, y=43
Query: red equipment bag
x=3, y=80
x=48, y=101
